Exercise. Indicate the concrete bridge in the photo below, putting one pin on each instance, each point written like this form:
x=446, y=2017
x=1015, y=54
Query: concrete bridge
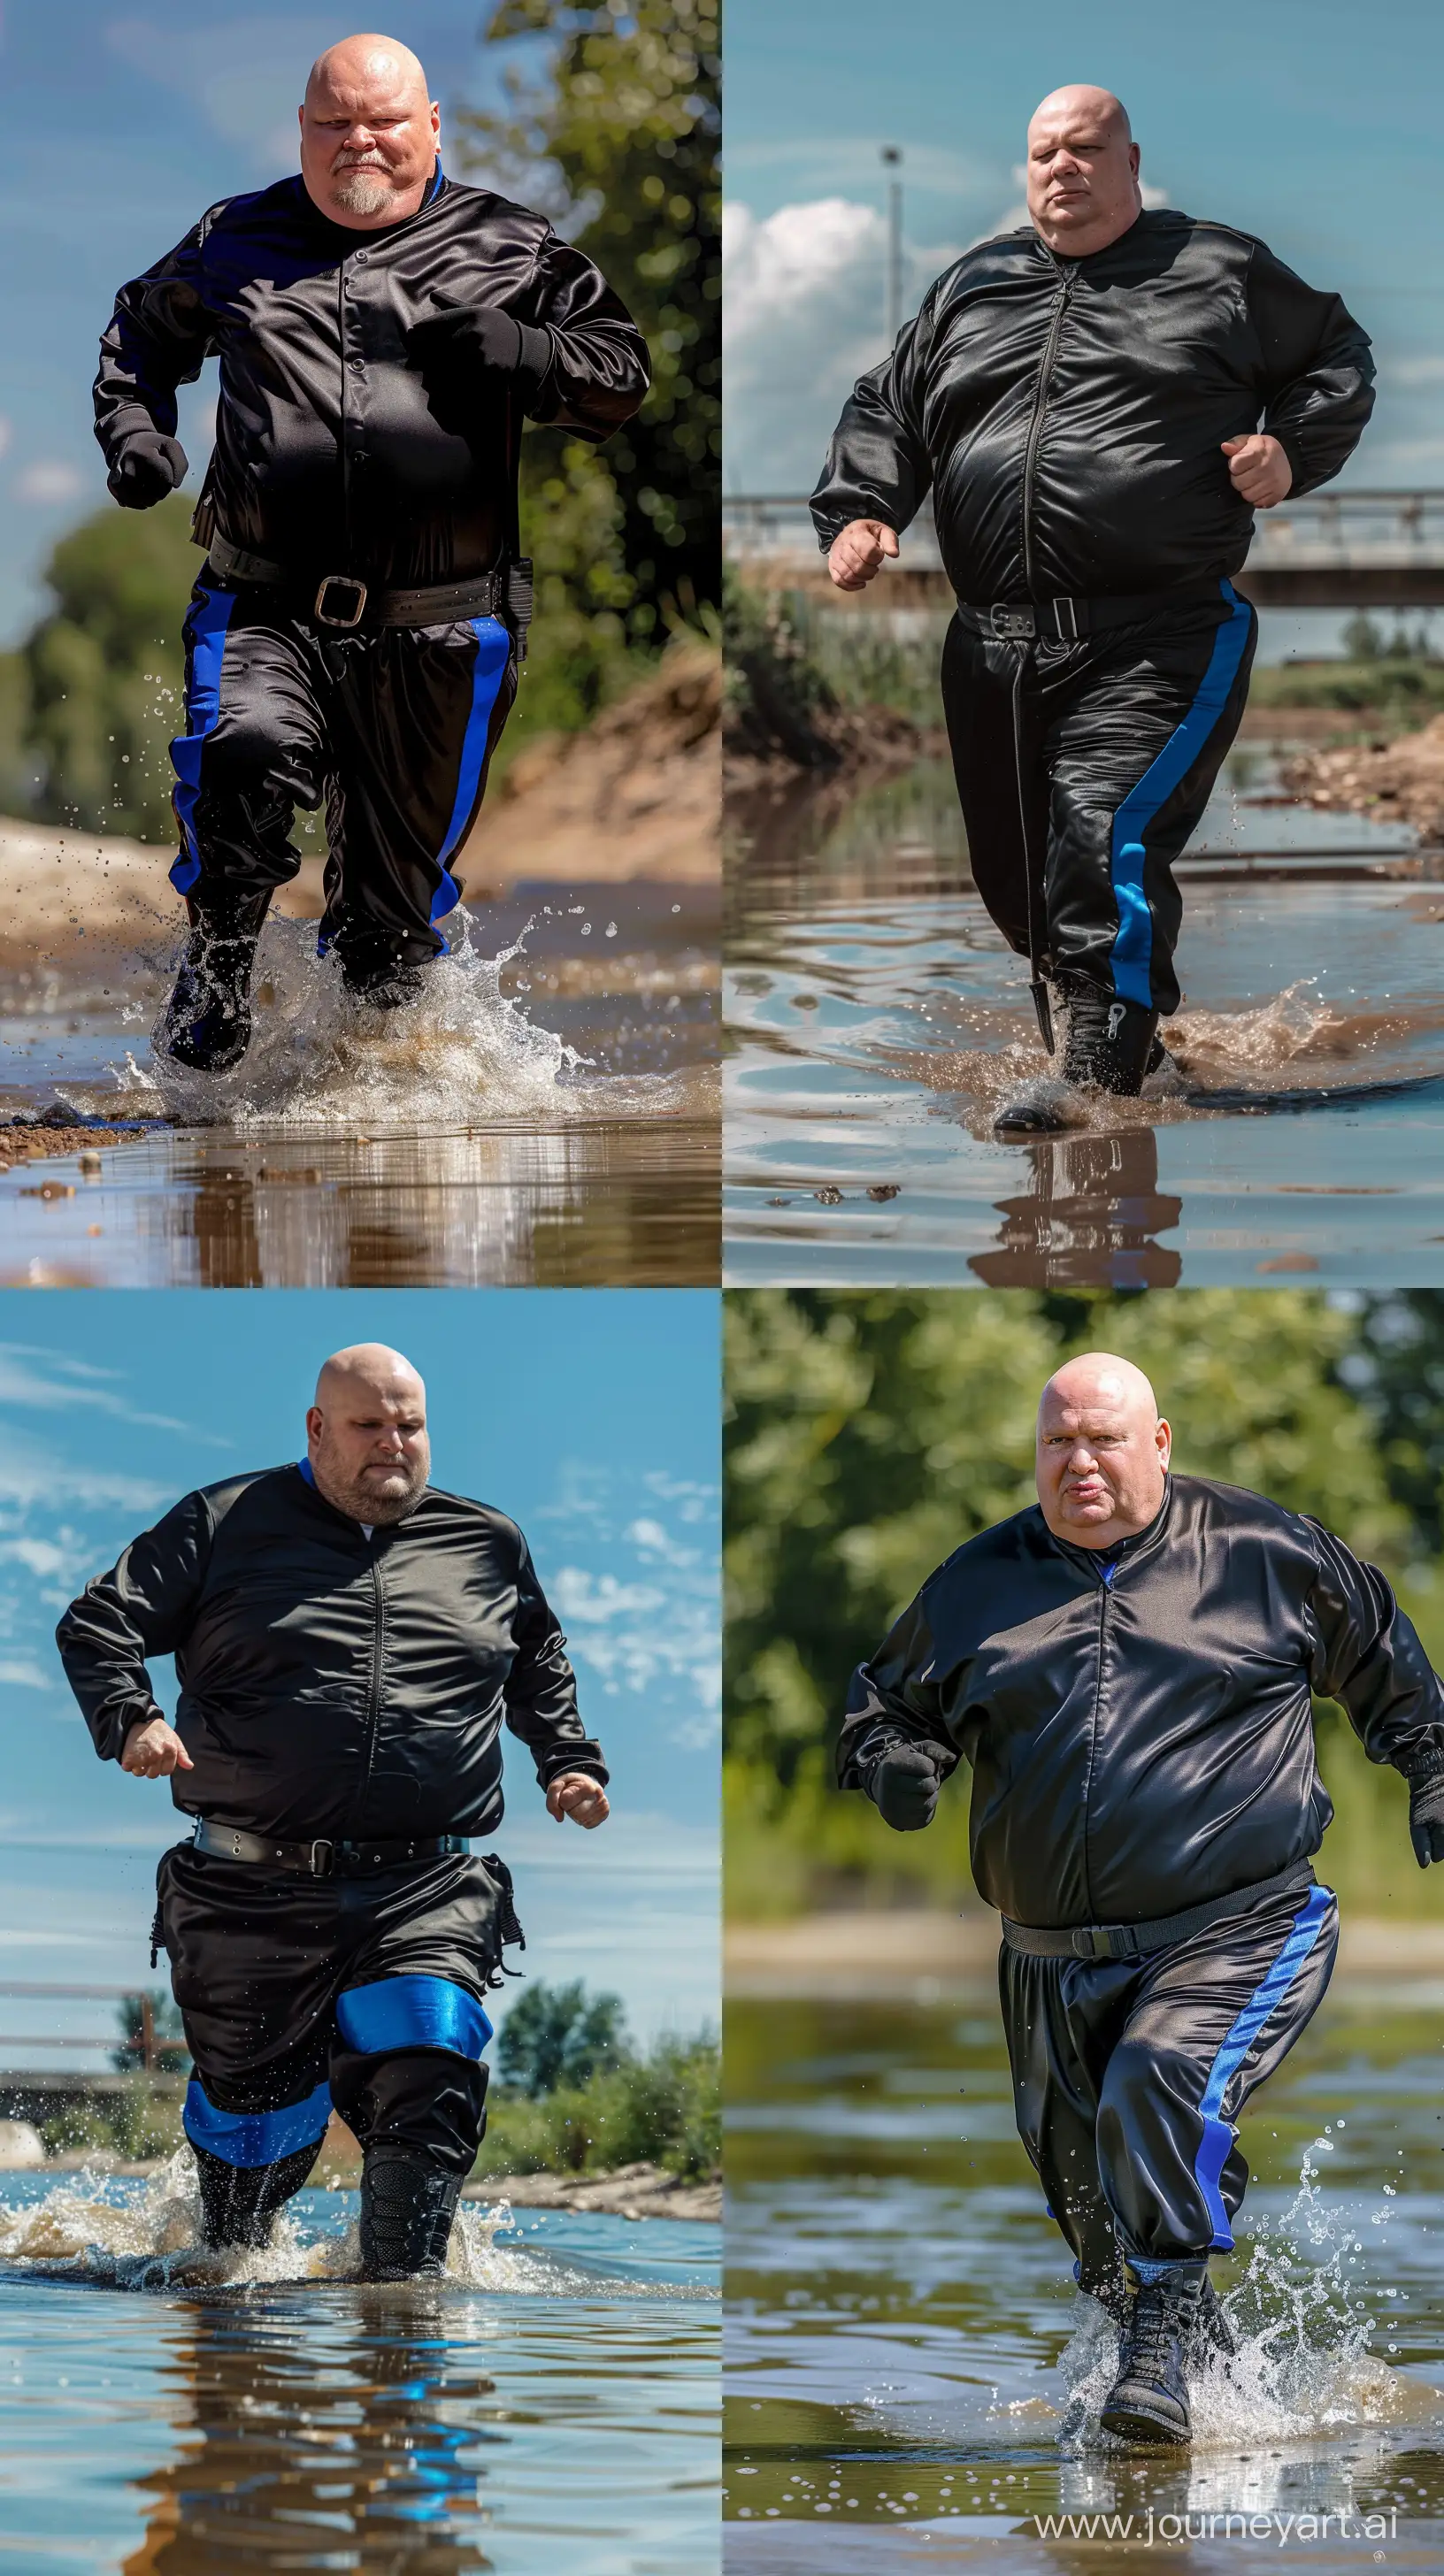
x=1337, y=549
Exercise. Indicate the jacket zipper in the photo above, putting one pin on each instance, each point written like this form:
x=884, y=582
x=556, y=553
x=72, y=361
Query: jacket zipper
x=373, y=1694
x=1035, y=426
x=1103, y=1596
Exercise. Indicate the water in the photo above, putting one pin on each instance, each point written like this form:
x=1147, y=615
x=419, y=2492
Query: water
x=877, y=1022
x=545, y=1113
x=911, y=2370
x=552, y=2403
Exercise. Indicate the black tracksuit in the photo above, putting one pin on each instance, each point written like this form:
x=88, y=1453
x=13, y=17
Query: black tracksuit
x=333, y=1687
x=1067, y=416
x=1140, y=1734
x=350, y=440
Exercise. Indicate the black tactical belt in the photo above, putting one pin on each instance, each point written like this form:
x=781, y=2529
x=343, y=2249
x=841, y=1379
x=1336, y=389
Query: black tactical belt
x=1134, y=1940
x=343, y=602
x=321, y=1859
x=1066, y=621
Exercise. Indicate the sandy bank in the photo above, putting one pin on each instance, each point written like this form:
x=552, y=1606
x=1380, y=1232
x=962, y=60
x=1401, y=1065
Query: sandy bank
x=908, y=1952
x=1393, y=782
x=637, y=796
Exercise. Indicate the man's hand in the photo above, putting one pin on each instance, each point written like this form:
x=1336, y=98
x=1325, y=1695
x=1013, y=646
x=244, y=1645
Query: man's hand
x=147, y=467
x=578, y=1795
x=1259, y=470
x=153, y=1750
x=903, y=1787
x=1426, y=1817
x=480, y=336
x=859, y=552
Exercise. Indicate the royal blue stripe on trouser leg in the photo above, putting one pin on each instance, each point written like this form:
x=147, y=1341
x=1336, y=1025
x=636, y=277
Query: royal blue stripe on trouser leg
x=493, y=652
x=208, y=625
x=1218, y=2133
x=1132, y=954
x=255, y=2137
x=412, y=2012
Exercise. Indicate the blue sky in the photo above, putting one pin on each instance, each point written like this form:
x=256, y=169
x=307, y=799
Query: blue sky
x=590, y=1416
x=1314, y=123
x=122, y=124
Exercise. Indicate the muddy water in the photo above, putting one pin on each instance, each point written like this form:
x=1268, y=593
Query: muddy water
x=552, y=2403
x=545, y=1113
x=913, y=2379
x=877, y=1023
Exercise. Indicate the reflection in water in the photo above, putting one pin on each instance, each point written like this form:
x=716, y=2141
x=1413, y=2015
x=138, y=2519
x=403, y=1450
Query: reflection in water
x=1089, y=1218
x=877, y=1024
x=369, y=2461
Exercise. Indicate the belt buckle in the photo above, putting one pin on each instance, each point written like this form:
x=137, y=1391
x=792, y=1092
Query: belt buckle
x=1013, y=625
x=319, y=1868
x=340, y=581
x=1090, y=1941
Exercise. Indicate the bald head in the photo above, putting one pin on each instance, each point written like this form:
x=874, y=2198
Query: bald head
x=1082, y=171
x=1103, y=1450
x=366, y=1434
x=369, y=133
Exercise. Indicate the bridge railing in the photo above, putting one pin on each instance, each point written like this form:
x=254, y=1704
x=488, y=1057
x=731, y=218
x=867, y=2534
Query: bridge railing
x=1359, y=529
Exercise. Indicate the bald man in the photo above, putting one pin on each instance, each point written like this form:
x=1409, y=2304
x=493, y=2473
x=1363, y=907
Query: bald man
x=1098, y=404
x=1128, y=1668
x=353, y=639
x=349, y=1642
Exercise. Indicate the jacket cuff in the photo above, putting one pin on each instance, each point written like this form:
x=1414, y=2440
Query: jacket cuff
x=534, y=364
x=586, y=1756
x=1426, y=1762
x=123, y=1726
x=123, y=425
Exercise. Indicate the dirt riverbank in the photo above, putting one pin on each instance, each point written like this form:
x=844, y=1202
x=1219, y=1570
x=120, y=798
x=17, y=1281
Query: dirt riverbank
x=1396, y=781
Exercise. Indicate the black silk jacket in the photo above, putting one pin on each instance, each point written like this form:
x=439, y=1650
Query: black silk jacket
x=1141, y=1745
x=339, y=448
x=1067, y=414
x=331, y=1684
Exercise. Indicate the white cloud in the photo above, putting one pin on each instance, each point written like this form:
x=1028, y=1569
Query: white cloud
x=23, y=1676
x=46, y=485
x=246, y=75
x=56, y=1385
x=1415, y=371
x=592, y=1598
x=651, y=1540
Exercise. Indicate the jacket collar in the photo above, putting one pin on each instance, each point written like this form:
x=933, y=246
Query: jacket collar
x=1093, y=1559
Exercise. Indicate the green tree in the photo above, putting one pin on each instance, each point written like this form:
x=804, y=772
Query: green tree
x=104, y=671
x=559, y=2035
x=620, y=145
x=869, y=1435
x=170, y=2053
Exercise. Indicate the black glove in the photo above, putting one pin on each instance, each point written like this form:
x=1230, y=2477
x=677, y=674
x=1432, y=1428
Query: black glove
x=903, y=1786
x=147, y=467
x=1426, y=1816
x=461, y=343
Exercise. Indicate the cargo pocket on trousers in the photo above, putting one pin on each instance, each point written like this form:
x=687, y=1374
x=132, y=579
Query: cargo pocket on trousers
x=510, y=1935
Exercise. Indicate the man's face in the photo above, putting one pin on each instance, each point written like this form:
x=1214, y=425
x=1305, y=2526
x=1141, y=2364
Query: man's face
x=1101, y=1463
x=1082, y=174
x=368, y=139
x=368, y=1447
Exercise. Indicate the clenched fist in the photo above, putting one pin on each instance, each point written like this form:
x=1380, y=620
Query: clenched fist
x=860, y=551
x=1259, y=470
x=153, y=1750
x=578, y=1795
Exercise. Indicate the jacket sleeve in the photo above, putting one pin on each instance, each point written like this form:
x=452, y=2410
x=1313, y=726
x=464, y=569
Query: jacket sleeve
x=541, y=1688
x=159, y=336
x=895, y=1699
x=1316, y=372
x=1368, y=1656
x=878, y=465
x=586, y=353
x=143, y=1607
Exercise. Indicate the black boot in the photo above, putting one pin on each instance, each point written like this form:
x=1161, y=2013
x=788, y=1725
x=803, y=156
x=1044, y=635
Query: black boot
x=407, y=2206
x=1109, y=1044
x=1148, y=2401
x=207, y=1022
x=238, y=2202
x=1107, y=2287
x=380, y=972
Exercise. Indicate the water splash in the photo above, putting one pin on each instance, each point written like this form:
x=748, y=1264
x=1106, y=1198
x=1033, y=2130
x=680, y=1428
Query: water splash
x=89, y=2229
x=1303, y=2367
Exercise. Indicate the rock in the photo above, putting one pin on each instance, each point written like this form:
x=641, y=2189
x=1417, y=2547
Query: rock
x=628, y=2191
x=21, y=2147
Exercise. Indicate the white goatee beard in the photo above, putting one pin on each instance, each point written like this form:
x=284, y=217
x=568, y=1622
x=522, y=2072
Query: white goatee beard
x=358, y=193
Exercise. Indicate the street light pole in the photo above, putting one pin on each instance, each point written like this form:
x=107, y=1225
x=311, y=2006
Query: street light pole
x=892, y=160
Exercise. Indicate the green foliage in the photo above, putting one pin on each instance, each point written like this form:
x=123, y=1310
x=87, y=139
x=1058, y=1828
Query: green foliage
x=620, y=144
x=132, y=2124
x=559, y=2035
x=166, y=2026
x=663, y=2109
x=1390, y=689
x=870, y=1434
x=104, y=671
x=19, y=778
